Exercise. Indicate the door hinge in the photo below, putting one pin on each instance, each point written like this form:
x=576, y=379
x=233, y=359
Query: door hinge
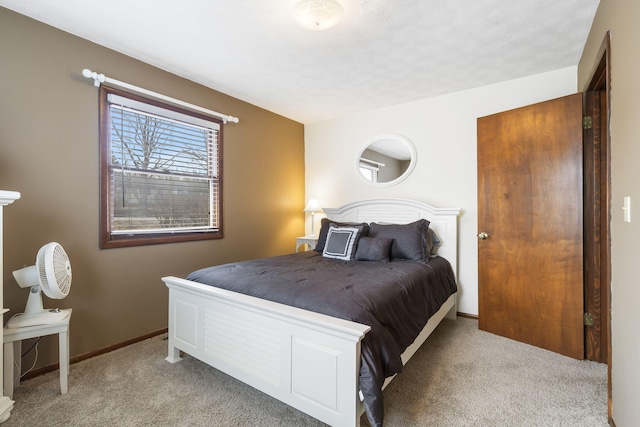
x=588, y=319
x=587, y=122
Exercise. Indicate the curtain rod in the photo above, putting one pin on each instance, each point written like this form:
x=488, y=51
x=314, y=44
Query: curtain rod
x=372, y=162
x=101, y=78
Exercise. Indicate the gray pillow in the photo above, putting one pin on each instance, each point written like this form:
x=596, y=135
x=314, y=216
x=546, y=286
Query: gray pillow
x=432, y=243
x=341, y=243
x=325, y=223
x=373, y=249
x=408, y=239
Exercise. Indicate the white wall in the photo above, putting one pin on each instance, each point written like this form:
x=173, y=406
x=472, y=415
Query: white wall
x=443, y=130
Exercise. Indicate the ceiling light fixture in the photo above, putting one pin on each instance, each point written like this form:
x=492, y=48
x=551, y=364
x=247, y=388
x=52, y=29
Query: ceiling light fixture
x=318, y=14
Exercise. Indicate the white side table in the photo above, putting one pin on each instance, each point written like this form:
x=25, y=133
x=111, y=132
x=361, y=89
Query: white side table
x=310, y=241
x=13, y=348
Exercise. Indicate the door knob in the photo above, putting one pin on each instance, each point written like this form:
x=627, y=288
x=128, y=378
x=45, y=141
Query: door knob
x=483, y=236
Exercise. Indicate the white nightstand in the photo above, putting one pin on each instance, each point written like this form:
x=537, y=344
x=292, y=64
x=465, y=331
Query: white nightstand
x=310, y=241
x=13, y=346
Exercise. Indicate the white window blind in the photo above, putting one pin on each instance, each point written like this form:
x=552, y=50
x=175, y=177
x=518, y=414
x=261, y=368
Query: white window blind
x=369, y=171
x=164, y=170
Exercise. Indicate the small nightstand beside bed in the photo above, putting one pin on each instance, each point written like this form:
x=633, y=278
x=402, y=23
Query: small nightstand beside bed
x=325, y=330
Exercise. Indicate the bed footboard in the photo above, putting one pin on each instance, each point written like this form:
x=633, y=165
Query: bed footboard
x=307, y=360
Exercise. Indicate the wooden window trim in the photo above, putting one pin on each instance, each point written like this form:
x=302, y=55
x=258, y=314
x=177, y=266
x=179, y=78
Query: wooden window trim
x=109, y=240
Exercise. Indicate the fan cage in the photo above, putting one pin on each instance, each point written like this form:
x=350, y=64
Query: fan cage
x=56, y=279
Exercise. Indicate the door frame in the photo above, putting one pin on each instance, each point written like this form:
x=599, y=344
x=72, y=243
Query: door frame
x=598, y=291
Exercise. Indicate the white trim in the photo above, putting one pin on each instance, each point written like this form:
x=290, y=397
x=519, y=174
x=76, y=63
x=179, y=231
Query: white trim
x=8, y=197
x=101, y=78
x=6, y=404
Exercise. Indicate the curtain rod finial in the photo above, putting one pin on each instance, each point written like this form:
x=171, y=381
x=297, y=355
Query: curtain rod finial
x=97, y=78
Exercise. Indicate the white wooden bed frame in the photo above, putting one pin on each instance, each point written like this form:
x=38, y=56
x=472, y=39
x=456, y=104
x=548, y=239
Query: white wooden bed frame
x=307, y=360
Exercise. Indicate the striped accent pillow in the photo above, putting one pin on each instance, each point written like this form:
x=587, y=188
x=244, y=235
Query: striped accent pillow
x=341, y=243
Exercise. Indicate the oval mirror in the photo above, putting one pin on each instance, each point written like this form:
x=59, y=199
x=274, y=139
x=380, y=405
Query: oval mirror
x=386, y=160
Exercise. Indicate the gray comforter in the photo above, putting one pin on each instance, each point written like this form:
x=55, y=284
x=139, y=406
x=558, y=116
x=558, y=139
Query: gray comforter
x=394, y=298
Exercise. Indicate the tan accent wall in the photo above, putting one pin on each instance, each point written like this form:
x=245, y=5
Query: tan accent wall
x=621, y=18
x=49, y=153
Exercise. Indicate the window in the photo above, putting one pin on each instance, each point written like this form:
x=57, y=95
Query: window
x=368, y=170
x=160, y=172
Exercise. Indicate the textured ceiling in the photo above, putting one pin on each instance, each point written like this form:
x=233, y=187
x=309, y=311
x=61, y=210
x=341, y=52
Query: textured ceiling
x=384, y=52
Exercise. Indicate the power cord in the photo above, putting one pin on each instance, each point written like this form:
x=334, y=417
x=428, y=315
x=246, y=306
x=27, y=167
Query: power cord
x=33, y=346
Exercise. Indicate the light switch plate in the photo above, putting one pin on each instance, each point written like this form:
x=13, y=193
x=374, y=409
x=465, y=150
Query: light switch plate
x=626, y=208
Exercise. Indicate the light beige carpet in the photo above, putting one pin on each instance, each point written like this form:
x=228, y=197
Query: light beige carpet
x=460, y=377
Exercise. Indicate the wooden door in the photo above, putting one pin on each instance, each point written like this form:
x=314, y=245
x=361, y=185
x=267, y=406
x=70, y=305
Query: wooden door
x=530, y=247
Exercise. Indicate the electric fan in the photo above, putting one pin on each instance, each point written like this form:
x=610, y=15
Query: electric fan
x=52, y=275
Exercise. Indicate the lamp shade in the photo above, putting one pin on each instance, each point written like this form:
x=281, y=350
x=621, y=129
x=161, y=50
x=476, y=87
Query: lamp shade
x=312, y=206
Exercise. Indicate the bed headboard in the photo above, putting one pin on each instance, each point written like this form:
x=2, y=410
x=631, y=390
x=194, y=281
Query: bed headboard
x=444, y=221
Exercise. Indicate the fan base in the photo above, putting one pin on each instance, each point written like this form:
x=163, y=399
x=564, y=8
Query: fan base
x=46, y=317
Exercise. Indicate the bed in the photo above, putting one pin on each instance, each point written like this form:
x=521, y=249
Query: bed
x=307, y=359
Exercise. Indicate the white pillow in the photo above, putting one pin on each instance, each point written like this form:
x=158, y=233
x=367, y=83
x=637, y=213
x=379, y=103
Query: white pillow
x=341, y=243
